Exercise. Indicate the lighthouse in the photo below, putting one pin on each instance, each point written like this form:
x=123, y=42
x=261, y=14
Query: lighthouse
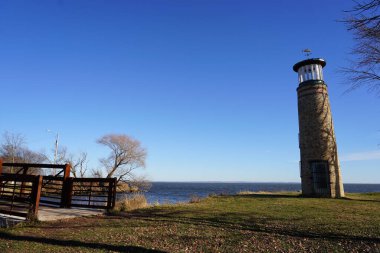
x=319, y=165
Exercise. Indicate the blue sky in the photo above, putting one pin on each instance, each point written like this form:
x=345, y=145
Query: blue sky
x=206, y=86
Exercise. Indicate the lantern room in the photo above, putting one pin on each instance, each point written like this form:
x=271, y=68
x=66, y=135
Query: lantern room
x=310, y=70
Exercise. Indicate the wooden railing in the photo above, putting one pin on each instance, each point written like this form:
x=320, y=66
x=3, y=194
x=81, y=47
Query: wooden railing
x=53, y=186
x=20, y=194
x=58, y=190
x=63, y=170
x=52, y=191
x=93, y=192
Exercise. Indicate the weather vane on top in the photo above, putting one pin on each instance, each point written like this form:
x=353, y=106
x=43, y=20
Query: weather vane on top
x=307, y=52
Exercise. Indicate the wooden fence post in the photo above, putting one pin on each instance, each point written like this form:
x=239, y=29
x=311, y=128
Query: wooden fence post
x=114, y=192
x=67, y=169
x=110, y=191
x=36, y=195
x=69, y=194
x=67, y=187
x=67, y=191
x=1, y=166
x=1, y=170
x=24, y=172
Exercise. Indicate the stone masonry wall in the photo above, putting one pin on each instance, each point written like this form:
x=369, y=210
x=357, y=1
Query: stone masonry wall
x=317, y=138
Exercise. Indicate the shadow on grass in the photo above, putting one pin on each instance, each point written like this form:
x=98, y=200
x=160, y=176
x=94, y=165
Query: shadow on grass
x=265, y=195
x=300, y=196
x=361, y=200
x=73, y=243
x=254, y=224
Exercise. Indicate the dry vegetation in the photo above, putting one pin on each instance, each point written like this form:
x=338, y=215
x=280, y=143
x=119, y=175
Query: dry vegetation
x=131, y=202
x=243, y=223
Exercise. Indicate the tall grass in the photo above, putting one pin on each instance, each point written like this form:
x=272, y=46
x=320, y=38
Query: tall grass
x=131, y=202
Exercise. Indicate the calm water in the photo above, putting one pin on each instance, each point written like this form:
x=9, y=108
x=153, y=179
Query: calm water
x=181, y=192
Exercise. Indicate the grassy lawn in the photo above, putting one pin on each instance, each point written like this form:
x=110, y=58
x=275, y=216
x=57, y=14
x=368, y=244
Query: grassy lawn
x=280, y=222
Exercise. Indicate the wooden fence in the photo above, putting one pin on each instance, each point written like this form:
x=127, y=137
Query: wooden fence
x=20, y=194
x=92, y=192
x=59, y=190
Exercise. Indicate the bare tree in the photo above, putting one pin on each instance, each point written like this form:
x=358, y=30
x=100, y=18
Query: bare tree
x=97, y=173
x=12, y=146
x=78, y=164
x=126, y=156
x=364, y=21
x=62, y=156
x=14, y=150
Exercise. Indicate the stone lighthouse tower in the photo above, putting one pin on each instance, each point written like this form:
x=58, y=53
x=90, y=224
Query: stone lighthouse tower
x=319, y=165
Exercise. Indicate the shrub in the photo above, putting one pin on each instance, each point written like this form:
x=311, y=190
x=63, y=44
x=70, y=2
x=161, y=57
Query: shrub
x=131, y=202
x=195, y=199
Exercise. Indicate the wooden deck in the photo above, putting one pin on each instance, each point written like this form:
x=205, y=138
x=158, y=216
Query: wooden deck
x=52, y=197
x=52, y=213
x=46, y=213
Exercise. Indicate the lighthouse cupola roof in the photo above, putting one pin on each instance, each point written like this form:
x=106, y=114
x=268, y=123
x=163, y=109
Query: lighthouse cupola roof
x=310, y=70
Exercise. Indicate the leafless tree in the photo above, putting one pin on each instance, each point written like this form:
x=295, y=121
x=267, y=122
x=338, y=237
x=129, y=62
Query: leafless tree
x=97, y=173
x=78, y=164
x=12, y=146
x=126, y=156
x=364, y=21
x=14, y=150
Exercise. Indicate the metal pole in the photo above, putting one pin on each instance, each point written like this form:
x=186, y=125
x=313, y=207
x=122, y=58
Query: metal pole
x=56, y=148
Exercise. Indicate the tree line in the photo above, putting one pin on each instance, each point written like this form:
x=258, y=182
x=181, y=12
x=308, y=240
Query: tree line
x=125, y=156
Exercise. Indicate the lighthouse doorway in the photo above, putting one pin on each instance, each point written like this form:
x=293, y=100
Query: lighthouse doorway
x=321, y=179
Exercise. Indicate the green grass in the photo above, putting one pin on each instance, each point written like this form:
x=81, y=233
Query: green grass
x=282, y=222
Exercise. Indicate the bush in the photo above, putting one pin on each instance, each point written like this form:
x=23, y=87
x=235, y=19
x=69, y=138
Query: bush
x=194, y=199
x=131, y=202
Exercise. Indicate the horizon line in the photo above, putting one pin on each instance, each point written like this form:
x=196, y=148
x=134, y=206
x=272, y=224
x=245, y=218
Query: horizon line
x=247, y=182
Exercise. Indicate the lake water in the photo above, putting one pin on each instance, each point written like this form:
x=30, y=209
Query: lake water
x=165, y=192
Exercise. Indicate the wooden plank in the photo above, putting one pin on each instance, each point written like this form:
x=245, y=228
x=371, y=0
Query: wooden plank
x=69, y=192
x=66, y=193
x=67, y=169
x=92, y=200
x=19, y=205
x=53, y=178
x=36, y=165
x=44, y=201
x=52, y=196
x=36, y=194
x=14, y=213
x=86, y=195
x=114, y=192
x=89, y=206
x=16, y=198
x=15, y=177
x=93, y=179
x=110, y=192
x=23, y=183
